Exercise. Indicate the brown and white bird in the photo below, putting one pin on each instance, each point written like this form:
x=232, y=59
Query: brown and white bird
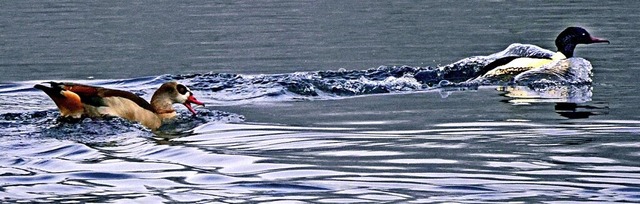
x=78, y=100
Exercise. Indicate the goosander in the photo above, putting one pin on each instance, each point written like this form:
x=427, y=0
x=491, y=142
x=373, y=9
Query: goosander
x=78, y=100
x=507, y=67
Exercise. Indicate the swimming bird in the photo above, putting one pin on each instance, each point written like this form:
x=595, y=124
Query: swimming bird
x=78, y=100
x=566, y=42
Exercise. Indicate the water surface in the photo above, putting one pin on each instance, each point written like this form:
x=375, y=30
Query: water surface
x=311, y=101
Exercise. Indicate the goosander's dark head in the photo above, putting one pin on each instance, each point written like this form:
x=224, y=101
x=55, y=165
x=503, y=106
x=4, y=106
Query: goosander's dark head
x=572, y=36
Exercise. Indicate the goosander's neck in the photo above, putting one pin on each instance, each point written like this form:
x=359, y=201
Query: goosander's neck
x=558, y=56
x=567, y=49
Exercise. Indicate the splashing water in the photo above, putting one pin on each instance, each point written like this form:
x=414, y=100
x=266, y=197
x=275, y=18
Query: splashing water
x=571, y=75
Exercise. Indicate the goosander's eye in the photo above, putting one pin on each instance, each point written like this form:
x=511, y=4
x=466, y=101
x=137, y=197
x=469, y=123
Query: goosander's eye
x=182, y=89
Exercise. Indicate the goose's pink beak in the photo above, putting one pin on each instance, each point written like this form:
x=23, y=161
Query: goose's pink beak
x=193, y=100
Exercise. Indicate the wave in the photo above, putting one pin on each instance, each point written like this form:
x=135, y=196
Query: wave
x=574, y=73
x=564, y=81
x=226, y=87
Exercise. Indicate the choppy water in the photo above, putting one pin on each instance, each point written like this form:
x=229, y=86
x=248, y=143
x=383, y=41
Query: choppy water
x=322, y=102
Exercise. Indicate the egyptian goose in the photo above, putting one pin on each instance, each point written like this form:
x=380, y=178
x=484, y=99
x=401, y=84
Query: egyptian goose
x=78, y=100
x=565, y=42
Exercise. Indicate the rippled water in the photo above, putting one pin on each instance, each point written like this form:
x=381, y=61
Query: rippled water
x=322, y=102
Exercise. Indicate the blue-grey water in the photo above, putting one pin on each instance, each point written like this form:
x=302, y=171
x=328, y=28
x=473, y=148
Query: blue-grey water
x=320, y=102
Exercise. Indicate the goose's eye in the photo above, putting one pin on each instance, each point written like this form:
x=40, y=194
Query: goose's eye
x=182, y=89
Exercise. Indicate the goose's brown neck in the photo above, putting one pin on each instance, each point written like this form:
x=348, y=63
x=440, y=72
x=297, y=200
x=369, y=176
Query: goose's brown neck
x=163, y=105
x=163, y=99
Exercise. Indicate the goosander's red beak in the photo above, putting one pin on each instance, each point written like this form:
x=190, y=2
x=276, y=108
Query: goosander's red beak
x=599, y=40
x=191, y=99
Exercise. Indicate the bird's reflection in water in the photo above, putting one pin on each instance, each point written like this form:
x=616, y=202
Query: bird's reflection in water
x=576, y=111
x=572, y=101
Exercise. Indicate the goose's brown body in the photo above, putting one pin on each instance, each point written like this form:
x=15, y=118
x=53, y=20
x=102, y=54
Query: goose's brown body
x=78, y=100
